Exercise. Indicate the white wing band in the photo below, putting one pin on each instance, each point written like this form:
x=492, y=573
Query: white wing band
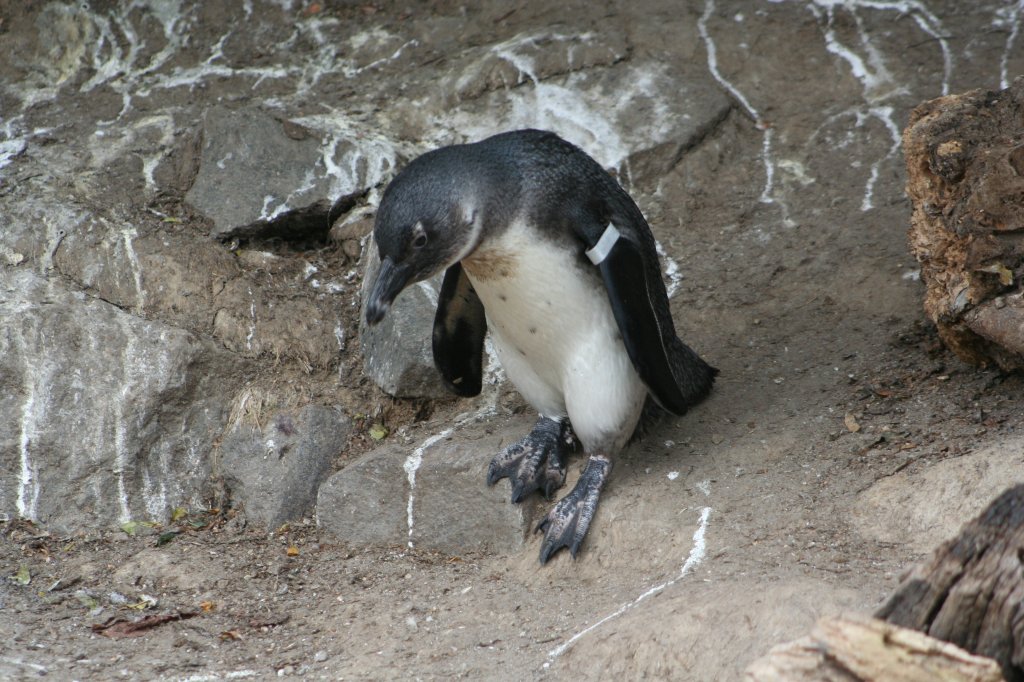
x=604, y=245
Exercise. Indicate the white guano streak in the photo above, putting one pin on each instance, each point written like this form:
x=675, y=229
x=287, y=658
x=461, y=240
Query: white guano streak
x=252, y=323
x=872, y=73
x=133, y=261
x=1004, y=62
x=697, y=553
x=885, y=115
x=415, y=460
x=411, y=466
x=918, y=11
x=561, y=108
x=122, y=411
x=766, y=131
x=28, y=481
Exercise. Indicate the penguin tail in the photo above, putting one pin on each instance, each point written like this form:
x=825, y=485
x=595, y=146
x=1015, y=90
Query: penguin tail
x=693, y=376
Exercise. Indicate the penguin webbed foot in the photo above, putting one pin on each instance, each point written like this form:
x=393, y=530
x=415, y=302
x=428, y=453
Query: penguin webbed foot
x=568, y=521
x=537, y=462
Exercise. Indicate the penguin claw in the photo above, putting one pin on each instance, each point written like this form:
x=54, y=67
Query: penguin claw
x=537, y=462
x=568, y=521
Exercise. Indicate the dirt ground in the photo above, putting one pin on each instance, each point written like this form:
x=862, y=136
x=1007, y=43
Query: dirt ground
x=720, y=534
x=771, y=448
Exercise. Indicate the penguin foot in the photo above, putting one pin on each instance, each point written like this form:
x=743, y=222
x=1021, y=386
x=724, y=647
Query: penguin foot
x=567, y=523
x=537, y=462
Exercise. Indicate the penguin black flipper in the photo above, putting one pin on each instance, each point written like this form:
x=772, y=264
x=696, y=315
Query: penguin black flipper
x=625, y=254
x=459, y=330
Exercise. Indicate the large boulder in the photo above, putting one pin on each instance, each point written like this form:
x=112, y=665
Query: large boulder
x=261, y=176
x=111, y=417
x=430, y=495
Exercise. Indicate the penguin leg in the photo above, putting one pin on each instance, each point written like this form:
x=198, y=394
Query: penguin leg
x=537, y=462
x=567, y=523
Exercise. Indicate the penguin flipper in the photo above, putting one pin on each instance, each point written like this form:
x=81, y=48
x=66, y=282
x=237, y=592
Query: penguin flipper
x=674, y=374
x=459, y=330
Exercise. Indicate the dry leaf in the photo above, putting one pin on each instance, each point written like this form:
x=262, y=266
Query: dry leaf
x=851, y=423
x=22, y=577
x=119, y=628
x=164, y=538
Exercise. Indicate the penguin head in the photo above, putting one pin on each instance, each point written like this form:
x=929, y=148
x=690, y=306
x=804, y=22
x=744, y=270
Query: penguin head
x=424, y=224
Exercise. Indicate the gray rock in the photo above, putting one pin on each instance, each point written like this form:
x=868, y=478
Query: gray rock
x=455, y=510
x=260, y=176
x=397, y=352
x=251, y=169
x=274, y=472
x=452, y=509
x=365, y=503
x=111, y=416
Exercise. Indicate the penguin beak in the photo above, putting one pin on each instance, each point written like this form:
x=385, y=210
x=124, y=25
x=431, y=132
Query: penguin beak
x=390, y=281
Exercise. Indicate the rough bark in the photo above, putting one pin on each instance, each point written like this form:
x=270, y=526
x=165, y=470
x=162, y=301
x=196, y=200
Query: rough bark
x=971, y=591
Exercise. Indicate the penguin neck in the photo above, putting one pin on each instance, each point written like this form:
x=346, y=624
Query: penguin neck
x=473, y=219
x=486, y=196
x=494, y=254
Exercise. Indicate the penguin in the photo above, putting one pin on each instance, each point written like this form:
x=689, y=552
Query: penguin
x=543, y=249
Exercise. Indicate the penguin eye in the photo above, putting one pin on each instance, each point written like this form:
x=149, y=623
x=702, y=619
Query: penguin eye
x=420, y=241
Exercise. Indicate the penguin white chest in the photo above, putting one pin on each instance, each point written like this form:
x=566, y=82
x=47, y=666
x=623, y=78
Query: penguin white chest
x=556, y=336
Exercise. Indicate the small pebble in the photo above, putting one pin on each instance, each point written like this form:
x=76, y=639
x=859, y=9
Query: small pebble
x=320, y=656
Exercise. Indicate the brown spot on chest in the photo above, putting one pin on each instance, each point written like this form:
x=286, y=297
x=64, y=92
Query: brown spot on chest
x=490, y=264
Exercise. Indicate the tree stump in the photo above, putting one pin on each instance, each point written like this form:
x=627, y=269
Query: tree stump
x=971, y=591
x=965, y=168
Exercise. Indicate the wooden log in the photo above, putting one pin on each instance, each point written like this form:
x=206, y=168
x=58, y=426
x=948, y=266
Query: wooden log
x=965, y=179
x=861, y=649
x=971, y=591
x=957, y=616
